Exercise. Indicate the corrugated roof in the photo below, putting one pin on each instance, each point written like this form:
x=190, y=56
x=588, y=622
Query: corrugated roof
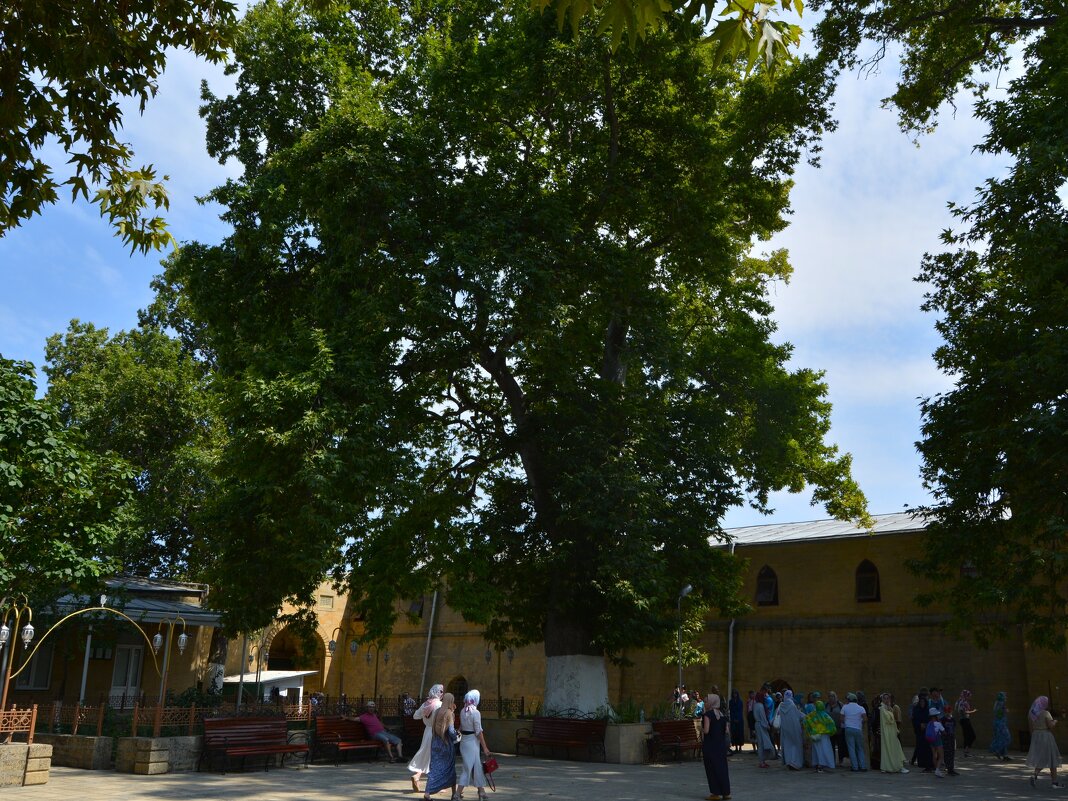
x=896, y=523
x=268, y=676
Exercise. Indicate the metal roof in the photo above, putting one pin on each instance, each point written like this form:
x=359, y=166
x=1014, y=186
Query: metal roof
x=149, y=608
x=268, y=676
x=775, y=533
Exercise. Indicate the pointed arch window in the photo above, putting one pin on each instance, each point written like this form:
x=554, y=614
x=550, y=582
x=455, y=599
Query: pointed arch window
x=767, y=593
x=867, y=582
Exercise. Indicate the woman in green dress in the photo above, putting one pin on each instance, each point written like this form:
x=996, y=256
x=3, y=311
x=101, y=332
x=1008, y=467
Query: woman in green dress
x=891, y=756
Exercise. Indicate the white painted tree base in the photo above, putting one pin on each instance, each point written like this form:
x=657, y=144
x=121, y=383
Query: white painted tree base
x=575, y=682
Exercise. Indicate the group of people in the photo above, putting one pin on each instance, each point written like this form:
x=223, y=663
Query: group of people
x=807, y=731
x=436, y=757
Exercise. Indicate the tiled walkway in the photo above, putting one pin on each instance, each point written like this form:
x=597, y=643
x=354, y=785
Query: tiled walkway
x=981, y=779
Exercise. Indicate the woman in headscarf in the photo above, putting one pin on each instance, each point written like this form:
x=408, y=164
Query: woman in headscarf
x=891, y=755
x=819, y=728
x=1000, y=744
x=765, y=748
x=472, y=745
x=920, y=716
x=714, y=748
x=964, y=710
x=736, y=708
x=1043, y=752
x=420, y=763
x=442, y=772
x=790, y=735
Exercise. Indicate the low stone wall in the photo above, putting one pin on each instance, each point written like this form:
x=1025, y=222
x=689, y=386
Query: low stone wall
x=22, y=764
x=78, y=751
x=152, y=756
x=624, y=743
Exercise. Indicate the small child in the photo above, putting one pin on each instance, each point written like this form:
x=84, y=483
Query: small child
x=933, y=734
x=949, y=739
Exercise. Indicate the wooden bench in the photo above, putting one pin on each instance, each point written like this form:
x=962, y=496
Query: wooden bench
x=412, y=736
x=337, y=735
x=230, y=738
x=566, y=733
x=676, y=736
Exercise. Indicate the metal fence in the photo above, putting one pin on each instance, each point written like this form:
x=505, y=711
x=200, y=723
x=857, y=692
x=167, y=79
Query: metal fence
x=15, y=720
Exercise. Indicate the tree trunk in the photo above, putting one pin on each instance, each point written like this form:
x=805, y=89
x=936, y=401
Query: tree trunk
x=216, y=662
x=575, y=674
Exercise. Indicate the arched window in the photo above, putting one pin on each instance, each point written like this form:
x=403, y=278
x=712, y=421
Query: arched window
x=867, y=582
x=458, y=687
x=767, y=593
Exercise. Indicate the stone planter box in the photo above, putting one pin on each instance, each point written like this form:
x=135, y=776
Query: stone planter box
x=624, y=743
x=152, y=756
x=22, y=764
x=78, y=751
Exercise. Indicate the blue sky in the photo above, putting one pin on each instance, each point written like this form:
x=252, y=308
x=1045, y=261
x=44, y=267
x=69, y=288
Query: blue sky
x=861, y=223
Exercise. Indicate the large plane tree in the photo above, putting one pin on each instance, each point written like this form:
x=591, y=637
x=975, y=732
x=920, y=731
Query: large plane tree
x=491, y=319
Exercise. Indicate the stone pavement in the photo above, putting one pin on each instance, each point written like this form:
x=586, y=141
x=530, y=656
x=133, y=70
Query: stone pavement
x=982, y=779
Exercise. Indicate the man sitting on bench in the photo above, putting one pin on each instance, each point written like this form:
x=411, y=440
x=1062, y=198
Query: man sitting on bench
x=376, y=730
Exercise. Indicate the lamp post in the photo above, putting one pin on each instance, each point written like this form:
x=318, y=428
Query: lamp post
x=261, y=657
x=157, y=641
x=13, y=610
x=682, y=594
x=377, y=651
x=332, y=648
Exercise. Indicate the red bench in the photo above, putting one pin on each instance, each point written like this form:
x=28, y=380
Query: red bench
x=676, y=736
x=336, y=734
x=240, y=738
x=566, y=733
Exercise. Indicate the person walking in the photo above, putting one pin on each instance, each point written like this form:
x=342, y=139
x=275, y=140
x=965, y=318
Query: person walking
x=472, y=746
x=420, y=763
x=765, y=747
x=714, y=749
x=819, y=728
x=1043, y=752
x=442, y=771
x=964, y=710
x=891, y=755
x=999, y=745
x=791, y=735
x=854, y=718
x=736, y=713
x=949, y=741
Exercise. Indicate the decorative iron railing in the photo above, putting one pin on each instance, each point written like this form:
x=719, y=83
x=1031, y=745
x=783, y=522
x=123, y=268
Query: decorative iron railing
x=16, y=720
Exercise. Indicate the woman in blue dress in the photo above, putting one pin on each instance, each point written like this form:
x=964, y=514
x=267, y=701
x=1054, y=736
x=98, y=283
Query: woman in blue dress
x=1002, y=738
x=442, y=772
x=714, y=749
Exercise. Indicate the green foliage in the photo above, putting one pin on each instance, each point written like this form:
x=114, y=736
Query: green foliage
x=67, y=63
x=58, y=500
x=945, y=46
x=138, y=397
x=993, y=446
x=747, y=31
x=490, y=319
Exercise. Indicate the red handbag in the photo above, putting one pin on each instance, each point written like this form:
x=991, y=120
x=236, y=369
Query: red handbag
x=488, y=767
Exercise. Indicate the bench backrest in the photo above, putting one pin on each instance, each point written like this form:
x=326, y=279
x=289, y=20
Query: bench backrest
x=335, y=726
x=244, y=731
x=413, y=727
x=683, y=729
x=570, y=729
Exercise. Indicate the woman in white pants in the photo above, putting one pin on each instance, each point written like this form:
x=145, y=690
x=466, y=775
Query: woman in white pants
x=472, y=746
x=420, y=763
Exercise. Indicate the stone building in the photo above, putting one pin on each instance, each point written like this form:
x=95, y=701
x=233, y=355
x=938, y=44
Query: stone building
x=833, y=607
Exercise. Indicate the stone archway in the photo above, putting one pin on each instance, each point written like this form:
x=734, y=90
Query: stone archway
x=458, y=686
x=290, y=650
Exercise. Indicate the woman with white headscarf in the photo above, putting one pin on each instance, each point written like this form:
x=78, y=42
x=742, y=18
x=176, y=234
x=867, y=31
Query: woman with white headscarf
x=472, y=744
x=420, y=763
x=791, y=738
x=1044, y=752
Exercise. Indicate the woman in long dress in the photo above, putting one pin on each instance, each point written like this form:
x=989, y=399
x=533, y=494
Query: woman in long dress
x=1043, y=752
x=891, y=755
x=736, y=716
x=442, y=772
x=819, y=728
x=472, y=746
x=765, y=748
x=1000, y=744
x=420, y=763
x=714, y=748
x=791, y=738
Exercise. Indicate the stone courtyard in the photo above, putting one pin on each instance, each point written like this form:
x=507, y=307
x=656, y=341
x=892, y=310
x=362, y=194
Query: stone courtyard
x=982, y=779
